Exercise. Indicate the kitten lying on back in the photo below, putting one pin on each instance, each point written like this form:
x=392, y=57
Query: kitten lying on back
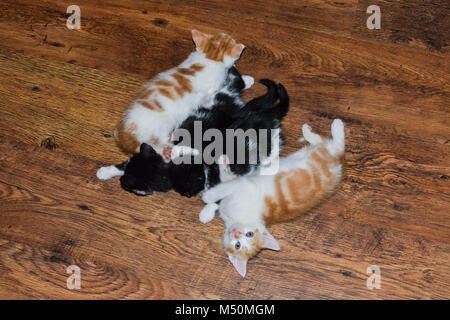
x=168, y=99
x=248, y=204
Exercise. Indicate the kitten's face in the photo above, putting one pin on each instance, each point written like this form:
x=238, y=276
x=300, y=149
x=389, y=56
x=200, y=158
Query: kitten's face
x=219, y=47
x=146, y=173
x=244, y=242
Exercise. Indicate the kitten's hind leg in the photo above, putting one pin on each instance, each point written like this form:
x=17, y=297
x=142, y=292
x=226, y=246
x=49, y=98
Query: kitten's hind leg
x=311, y=137
x=208, y=212
x=337, y=145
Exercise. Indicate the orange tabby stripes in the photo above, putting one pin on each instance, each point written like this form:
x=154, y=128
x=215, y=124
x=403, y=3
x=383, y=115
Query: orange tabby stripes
x=155, y=105
x=167, y=93
x=125, y=139
x=299, y=190
x=218, y=46
x=144, y=93
x=186, y=71
x=197, y=67
x=183, y=83
x=163, y=83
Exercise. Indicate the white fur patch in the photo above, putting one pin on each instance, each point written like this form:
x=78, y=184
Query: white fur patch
x=142, y=193
x=208, y=212
x=178, y=151
x=105, y=173
x=249, y=81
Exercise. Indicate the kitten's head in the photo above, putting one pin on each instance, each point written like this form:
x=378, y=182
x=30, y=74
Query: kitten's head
x=218, y=47
x=244, y=242
x=234, y=82
x=146, y=173
x=188, y=179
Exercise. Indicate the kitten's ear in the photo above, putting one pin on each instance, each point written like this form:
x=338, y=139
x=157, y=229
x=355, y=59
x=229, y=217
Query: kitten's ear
x=199, y=38
x=269, y=242
x=146, y=150
x=240, y=264
x=237, y=50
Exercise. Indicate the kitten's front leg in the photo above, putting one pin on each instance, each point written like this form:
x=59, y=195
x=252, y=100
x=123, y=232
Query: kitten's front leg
x=170, y=152
x=108, y=172
x=222, y=190
x=208, y=212
x=249, y=81
x=225, y=173
x=178, y=151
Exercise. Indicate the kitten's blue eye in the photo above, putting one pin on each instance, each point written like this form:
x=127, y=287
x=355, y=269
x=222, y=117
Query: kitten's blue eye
x=237, y=246
x=249, y=234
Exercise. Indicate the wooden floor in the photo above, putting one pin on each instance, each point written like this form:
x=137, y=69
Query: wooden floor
x=62, y=92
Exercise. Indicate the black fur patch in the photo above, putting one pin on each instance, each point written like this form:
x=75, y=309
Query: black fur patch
x=147, y=173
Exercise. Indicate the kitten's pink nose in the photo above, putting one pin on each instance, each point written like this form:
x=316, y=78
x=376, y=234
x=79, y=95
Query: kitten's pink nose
x=236, y=232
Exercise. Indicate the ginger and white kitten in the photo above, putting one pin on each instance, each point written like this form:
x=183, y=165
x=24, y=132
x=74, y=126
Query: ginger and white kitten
x=248, y=204
x=169, y=98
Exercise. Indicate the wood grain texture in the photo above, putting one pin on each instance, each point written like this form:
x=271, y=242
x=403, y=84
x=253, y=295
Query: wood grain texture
x=63, y=91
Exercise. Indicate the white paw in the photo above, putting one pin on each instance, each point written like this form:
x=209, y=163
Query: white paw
x=266, y=161
x=208, y=212
x=105, y=173
x=223, y=159
x=306, y=129
x=178, y=151
x=207, y=197
x=337, y=129
x=249, y=81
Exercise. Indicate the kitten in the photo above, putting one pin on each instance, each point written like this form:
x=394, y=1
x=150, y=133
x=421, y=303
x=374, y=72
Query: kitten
x=169, y=98
x=146, y=173
x=248, y=204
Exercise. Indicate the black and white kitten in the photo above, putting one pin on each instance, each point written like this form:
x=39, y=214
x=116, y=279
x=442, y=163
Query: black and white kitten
x=259, y=113
x=147, y=172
